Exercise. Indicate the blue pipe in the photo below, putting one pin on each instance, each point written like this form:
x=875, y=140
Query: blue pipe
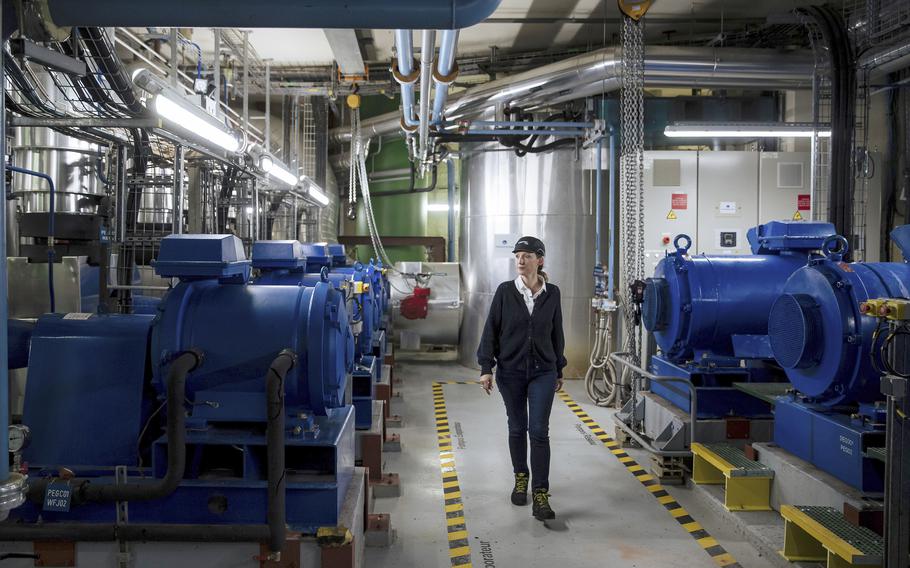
x=598, y=189
x=405, y=47
x=445, y=65
x=523, y=123
x=50, y=230
x=351, y=14
x=611, y=252
x=450, y=181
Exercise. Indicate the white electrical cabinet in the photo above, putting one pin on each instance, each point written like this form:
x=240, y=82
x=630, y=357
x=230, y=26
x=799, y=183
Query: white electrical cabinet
x=671, y=202
x=727, y=201
x=785, y=187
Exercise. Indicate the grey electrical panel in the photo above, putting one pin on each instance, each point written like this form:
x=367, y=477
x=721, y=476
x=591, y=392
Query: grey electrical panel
x=727, y=201
x=671, y=202
x=785, y=188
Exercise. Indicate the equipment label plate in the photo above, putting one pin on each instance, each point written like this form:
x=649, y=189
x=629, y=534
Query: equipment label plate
x=679, y=201
x=57, y=497
x=78, y=316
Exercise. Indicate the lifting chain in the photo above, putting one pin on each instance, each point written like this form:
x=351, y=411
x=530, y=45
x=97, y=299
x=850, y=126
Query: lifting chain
x=632, y=110
x=356, y=150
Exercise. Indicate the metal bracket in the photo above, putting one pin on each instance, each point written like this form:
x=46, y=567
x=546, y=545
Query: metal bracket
x=893, y=386
x=595, y=134
x=124, y=556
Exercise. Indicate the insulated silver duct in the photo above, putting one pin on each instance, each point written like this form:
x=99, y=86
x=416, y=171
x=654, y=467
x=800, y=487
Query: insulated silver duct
x=598, y=71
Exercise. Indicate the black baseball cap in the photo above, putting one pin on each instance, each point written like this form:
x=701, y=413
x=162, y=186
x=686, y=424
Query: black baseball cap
x=530, y=244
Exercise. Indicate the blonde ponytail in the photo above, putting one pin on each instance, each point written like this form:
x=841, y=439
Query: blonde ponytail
x=542, y=274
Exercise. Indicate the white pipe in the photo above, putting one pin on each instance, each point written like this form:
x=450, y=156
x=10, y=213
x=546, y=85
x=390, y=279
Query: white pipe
x=445, y=67
x=427, y=49
x=404, y=47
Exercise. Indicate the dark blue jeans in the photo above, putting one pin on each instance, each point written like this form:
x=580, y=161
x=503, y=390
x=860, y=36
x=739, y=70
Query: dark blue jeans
x=528, y=397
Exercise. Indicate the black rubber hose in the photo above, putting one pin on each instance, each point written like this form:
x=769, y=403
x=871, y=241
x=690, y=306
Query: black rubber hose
x=274, y=400
x=86, y=492
x=413, y=189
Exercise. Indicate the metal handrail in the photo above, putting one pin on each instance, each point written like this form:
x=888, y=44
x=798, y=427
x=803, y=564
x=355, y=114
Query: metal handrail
x=624, y=359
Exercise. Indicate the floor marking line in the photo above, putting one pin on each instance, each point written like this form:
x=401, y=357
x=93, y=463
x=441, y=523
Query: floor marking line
x=712, y=548
x=456, y=527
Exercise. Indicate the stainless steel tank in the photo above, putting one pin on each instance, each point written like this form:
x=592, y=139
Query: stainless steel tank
x=547, y=195
x=156, y=200
x=70, y=162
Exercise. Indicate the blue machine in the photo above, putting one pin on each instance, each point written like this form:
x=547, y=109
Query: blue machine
x=820, y=338
x=379, y=288
x=284, y=263
x=709, y=316
x=98, y=384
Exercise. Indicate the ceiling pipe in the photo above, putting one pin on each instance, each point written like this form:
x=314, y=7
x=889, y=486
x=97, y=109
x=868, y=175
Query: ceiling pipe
x=351, y=14
x=406, y=74
x=427, y=50
x=445, y=72
x=887, y=59
x=599, y=71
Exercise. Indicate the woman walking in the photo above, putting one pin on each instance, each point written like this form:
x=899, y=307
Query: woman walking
x=523, y=339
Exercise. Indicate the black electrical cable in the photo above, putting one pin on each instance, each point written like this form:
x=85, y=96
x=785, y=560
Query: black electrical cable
x=886, y=347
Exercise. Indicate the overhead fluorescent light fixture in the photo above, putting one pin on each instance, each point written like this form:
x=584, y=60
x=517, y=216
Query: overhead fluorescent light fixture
x=746, y=130
x=270, y=165
x=280, y=172
x=313, y=192
x=185, y=116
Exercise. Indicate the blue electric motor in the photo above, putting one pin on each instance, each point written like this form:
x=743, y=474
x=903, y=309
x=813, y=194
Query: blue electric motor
x=282, y=263
x=820, y=338
x=97, y=386
x=709, y=315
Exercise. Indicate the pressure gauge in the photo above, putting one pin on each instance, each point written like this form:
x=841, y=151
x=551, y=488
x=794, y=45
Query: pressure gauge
x=19, y=436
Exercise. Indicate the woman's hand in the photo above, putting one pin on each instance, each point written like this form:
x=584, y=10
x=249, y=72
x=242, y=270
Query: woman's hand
x=558, y=385
x=486, y=382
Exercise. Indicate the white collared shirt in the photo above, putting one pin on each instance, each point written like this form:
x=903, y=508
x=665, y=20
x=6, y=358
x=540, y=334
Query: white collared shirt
x=526, y=293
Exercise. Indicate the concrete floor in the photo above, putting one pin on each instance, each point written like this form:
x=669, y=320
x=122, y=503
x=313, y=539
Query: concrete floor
x=610, y=518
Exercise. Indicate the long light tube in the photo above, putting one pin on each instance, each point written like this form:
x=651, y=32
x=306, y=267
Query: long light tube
x=314, y=192
x=278, y=171
x=184, y=118
x=744, y=130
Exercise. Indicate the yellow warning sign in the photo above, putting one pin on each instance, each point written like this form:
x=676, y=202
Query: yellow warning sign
x=797, y=216
x=671, y=215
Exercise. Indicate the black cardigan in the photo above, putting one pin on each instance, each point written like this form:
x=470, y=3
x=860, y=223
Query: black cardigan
x=513, y=339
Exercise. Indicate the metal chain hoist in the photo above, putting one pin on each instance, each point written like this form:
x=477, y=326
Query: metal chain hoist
x=356, y=149
x=632, y=111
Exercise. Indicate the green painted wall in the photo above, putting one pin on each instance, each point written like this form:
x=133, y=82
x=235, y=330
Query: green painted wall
x=404, y=215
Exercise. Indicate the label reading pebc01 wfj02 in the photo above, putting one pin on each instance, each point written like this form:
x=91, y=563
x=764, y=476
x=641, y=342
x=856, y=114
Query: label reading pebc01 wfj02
x=57, y=497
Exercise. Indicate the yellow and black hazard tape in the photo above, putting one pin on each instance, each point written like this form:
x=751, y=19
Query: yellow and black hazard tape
x=457, y=528
x=717, y=552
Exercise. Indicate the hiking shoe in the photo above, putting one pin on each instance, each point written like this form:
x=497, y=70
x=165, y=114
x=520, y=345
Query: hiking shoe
x=541, y=508
x=520, y=491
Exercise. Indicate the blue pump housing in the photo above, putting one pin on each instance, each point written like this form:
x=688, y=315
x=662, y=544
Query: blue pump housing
x=339, y=255
x=709, y=316
x=94, y=412
x=697, y=305
x=823, y=342
x=317, y=255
